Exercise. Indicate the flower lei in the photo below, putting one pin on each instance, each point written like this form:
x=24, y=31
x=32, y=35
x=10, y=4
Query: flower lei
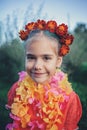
x=60, y=30
x=40, y=106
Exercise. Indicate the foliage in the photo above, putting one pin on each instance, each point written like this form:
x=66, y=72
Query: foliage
x=11, y=60
x=78, y=54
x=4, y=114
x=80, y=74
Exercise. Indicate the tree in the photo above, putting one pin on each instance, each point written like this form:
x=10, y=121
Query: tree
x=13, y=23
x=11, y=60
x=78, y=52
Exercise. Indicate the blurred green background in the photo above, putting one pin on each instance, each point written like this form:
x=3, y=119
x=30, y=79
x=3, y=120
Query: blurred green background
x=12, y=61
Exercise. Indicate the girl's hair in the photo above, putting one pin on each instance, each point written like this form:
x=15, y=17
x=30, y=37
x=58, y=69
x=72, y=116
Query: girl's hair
x=46, y=33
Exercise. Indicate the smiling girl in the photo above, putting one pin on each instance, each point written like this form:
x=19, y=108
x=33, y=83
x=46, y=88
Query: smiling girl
x=42, y=98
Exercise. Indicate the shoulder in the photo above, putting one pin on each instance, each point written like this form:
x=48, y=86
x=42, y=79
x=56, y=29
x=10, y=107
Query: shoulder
x=74, y=103
x=74, y=100
x=11, y=93
x=73, y=112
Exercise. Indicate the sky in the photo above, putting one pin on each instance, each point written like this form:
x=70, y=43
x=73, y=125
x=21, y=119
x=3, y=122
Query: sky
x=69, y=12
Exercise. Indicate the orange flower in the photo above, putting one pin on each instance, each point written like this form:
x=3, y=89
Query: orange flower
x=64, y=50
x=23, y=34
x=51, y=26
x=68, y=39
x=40, y=24
x=62, y=29
x=19, y=109
x=24, y=120
x=30, y=26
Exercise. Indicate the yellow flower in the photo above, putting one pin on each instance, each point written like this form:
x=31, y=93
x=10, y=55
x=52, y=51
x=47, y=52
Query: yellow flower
x=24, y=120
x=65, y=85
x=19, y=109
x=54, y=127
x=39, y=92
x=23, y=93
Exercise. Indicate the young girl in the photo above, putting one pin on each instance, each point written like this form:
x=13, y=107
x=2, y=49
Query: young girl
x=42, y=98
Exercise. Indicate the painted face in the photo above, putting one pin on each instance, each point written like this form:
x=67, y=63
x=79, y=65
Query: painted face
x=42, y=59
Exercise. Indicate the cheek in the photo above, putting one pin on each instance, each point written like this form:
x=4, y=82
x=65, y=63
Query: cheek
x=52, y=66
x=28, y=65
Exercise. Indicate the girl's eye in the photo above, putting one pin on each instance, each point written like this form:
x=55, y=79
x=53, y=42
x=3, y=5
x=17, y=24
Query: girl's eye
x=30, y=57
x=47, y=58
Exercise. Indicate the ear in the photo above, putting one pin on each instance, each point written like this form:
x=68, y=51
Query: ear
x=59, y=61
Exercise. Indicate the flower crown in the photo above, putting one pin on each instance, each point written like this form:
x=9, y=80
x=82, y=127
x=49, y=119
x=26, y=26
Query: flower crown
x=61, y=31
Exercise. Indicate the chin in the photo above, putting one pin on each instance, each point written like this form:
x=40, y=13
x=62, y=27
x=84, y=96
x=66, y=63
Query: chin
x=39, y=81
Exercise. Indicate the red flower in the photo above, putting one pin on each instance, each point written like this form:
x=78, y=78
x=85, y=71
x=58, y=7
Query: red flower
x=51, y=26
x=64, y=50
x=40, y=24
x=23, y=34
x=30, y=26
x=61, y=29
x=68, y=39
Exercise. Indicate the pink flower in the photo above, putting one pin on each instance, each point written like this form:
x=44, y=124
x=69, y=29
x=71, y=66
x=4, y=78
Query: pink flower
x=7, y=106
x=63, y=104
x=9, y=126
x=35, y=125
x=56, y=78
x=14, y=117
x=66, y=98
x=53, y=90
x=21, y=74
x=60, y=75
x=31, y=100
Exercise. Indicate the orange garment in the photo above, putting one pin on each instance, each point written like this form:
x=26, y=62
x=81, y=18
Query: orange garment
x=72, y=114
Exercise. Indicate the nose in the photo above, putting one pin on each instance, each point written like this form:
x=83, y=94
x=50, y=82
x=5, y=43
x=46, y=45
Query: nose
x=38, y=64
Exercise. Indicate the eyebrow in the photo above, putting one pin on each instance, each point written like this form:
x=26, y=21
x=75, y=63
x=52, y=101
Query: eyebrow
x=29, y=54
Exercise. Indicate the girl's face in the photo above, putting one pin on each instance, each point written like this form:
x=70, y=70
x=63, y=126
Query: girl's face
x=42, y=59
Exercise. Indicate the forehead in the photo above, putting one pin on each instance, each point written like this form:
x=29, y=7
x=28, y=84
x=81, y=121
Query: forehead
x=42, y=44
